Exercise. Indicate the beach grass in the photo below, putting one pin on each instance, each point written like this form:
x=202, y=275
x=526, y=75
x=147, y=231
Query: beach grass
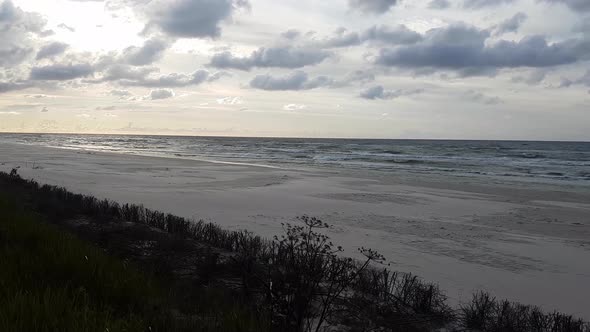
x=296, y=282
x=52, y=281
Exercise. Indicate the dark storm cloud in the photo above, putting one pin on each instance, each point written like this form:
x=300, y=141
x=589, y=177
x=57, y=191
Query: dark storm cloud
x=277, y=57
x=576, y=5
x=439, y=4
x=378, y=92
x=372, y=6
x=478, y=4
x=152, y=50
x=463, y=48
x=192, y=18
x=60, y=72
x=51, y=50
x=298, y=80
x=510, y=25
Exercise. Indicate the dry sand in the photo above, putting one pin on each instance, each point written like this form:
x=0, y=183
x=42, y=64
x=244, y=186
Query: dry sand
x=522, y=241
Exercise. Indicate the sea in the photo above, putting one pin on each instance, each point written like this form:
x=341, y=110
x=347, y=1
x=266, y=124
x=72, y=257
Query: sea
x=566, y=162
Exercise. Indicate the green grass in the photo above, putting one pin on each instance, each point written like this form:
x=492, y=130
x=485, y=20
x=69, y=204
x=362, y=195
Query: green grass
x=50, y=281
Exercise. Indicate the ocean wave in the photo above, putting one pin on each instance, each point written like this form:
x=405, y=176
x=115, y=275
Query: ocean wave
x=531, y=155
x=555, y=174
x=393, y=152
x=552, y=161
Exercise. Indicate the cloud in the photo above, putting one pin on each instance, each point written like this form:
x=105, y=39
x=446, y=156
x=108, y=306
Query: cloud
x=342, y=38
x=37, y=96
x=66, y=27
x=300, y=80
x=510, y=25
x=14, y=86
x=160, y=94
x=379, y=34
x=13, y=55
x=439, y=4
x=26, y=106
x=575, y=5
x=372, y=6
x=106, y=108
x=399, y=34
x=354, y=77
x=295, y=81
x=378, y=92
x=463, y=48
x=294, y=107
x=479, y=4
x=120, y=93
x=291, y=34
x=152, y=50
x=192, y=18
x=277, y=57
x=51, y=50
x=533, y=78
x=173, y=80
x=230, y=101
x=124, y=72
x=60, y=72
x=478, y=97
x=17, y=28
x=582, y=80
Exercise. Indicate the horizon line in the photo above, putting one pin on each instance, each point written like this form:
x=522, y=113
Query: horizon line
x=297, y=137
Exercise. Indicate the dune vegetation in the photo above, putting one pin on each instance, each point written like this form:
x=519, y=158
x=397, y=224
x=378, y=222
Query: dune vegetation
x=79, y=263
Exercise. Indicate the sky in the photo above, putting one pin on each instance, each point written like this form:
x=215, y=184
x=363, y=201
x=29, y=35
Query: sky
x=440, y=69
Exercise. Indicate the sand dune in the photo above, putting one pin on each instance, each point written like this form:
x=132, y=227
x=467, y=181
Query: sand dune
x=522, y=241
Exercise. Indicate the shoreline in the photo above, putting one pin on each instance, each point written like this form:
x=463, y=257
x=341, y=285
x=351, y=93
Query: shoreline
x=423, y=227
x=426, y=179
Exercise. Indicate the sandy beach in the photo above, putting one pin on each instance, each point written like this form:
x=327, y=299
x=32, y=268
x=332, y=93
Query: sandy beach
x=528, y=242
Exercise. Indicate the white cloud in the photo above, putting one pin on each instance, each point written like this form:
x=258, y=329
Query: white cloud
x=160, y=94
x=430, y=58
x=230, y=101
x=294, y=107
